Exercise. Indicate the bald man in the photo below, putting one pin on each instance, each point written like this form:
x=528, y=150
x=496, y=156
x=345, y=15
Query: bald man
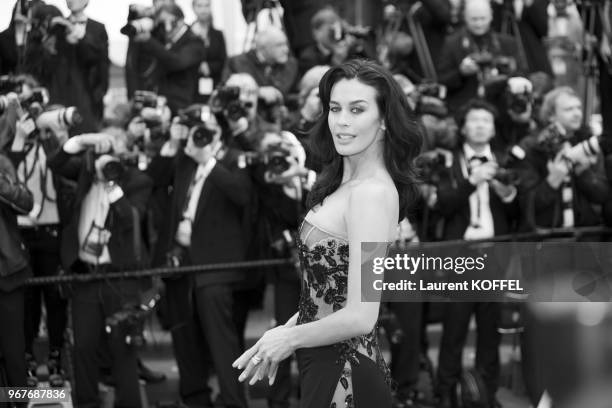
x=457, y=67
x=270, y=63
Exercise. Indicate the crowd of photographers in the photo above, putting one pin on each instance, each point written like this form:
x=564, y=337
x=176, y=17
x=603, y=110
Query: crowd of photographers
x=209, y=163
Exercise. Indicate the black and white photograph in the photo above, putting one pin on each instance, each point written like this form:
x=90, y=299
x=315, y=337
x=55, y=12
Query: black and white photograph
x=305, y=203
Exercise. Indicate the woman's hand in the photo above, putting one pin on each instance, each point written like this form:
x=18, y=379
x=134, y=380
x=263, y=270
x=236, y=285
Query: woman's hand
x=263, y=358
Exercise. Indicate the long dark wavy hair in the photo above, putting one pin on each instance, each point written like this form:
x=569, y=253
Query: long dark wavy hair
x=402, y=141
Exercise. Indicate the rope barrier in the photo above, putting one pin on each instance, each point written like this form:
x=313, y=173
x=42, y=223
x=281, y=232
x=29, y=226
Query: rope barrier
x=266, y=263
x=163, y=272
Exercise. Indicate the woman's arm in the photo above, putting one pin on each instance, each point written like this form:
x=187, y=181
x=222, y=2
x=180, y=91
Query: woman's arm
x=292, y=320
x=371, y=217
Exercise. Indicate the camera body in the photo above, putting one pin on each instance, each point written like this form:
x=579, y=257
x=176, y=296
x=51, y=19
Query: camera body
x=9, y=84
x=493, y=65
x=195, y=118
x=226, y=99
x=140, y=20
x=274, y=159
x=130, y=319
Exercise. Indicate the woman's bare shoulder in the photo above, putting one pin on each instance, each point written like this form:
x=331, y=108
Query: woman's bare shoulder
x=376, y=188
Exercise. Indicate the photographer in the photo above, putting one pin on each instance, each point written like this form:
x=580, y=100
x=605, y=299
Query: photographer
x=14, y=270
x=73, y=61
x=102, y=236
x=326, y=50
x=211, y=196
x=475, y=59
x=478, y=202
x=531, y=20
x=565, y=179
x=178, y=53
x=516, y=121
x=34, y=136
x=275, y=71
x=139, y=65
x=281, y=181
x=14, y=40
x=214, y=45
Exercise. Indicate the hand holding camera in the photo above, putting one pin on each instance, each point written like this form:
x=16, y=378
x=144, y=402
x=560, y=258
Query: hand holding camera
x=483, y=173
x=468, y=66
x=101, y=143
x=558, y=169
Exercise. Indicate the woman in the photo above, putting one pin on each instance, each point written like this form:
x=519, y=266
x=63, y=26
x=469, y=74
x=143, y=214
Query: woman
x=214, y=43
x=367, y=140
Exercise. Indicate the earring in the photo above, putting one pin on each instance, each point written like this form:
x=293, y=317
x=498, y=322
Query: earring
x=383, y=127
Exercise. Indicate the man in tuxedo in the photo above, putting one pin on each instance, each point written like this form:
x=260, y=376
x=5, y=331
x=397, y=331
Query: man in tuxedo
x=463, y=65
x=102, y=236
x=211, y=196
x=475, y=206
x=275, y=70
x=178, y=57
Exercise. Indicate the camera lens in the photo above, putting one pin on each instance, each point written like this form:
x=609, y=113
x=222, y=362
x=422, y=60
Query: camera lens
x=112, y=171
x=277, y=162
x=201, y=135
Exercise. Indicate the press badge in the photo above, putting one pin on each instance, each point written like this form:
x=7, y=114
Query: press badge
x=205, y=86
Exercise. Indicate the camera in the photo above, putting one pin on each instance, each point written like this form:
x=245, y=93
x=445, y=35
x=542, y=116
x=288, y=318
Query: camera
x=129, y=320
x=140, y=20
x=147, y=99
x=227, y=99
x=38, y=99
x=61, y=118
x=518, y=103
x=493, y=65
x=431, y=164
x=10, y=84
x=550, y=141
x=430, y=100
x=274, y=159
x=195, y=118
x=588, y=148
x=115, y=169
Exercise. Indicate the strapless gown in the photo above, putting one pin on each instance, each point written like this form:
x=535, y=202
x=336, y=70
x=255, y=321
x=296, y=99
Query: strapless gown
x=351, y=373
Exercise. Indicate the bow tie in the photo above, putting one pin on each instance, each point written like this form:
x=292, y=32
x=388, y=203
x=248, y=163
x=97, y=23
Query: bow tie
x=480, y=159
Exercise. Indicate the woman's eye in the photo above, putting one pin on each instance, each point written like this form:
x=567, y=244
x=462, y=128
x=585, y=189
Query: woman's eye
x=356, y=110
x=334, y=109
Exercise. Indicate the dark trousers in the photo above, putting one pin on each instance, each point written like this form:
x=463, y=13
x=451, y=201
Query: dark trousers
x=286, y=301
x=405, y=355
x=12, y=339
x=43, y=247
x=91, y=304
x=204, y=339
x=456, y=324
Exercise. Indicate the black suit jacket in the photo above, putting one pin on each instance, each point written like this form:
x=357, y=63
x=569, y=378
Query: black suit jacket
x=219, y=228
x=456, y=47
x=282, y=77
x=14, y=199
x=177, y=68
x=543, y=205
x=453, y=203
x=216, y=54
x=533, y=28
x=120, y=220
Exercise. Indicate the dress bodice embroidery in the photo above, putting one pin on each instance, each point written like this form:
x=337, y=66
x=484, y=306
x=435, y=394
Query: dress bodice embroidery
x=324, y=259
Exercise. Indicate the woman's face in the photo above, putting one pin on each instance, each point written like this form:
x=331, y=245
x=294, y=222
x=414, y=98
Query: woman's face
x=201, y=8
x=354, y=118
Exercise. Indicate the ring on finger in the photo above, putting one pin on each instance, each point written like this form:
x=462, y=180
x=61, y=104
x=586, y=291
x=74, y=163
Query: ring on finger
x=256, y=360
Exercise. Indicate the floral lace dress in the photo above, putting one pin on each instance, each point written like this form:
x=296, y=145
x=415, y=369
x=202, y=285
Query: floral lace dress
x=351, y=373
